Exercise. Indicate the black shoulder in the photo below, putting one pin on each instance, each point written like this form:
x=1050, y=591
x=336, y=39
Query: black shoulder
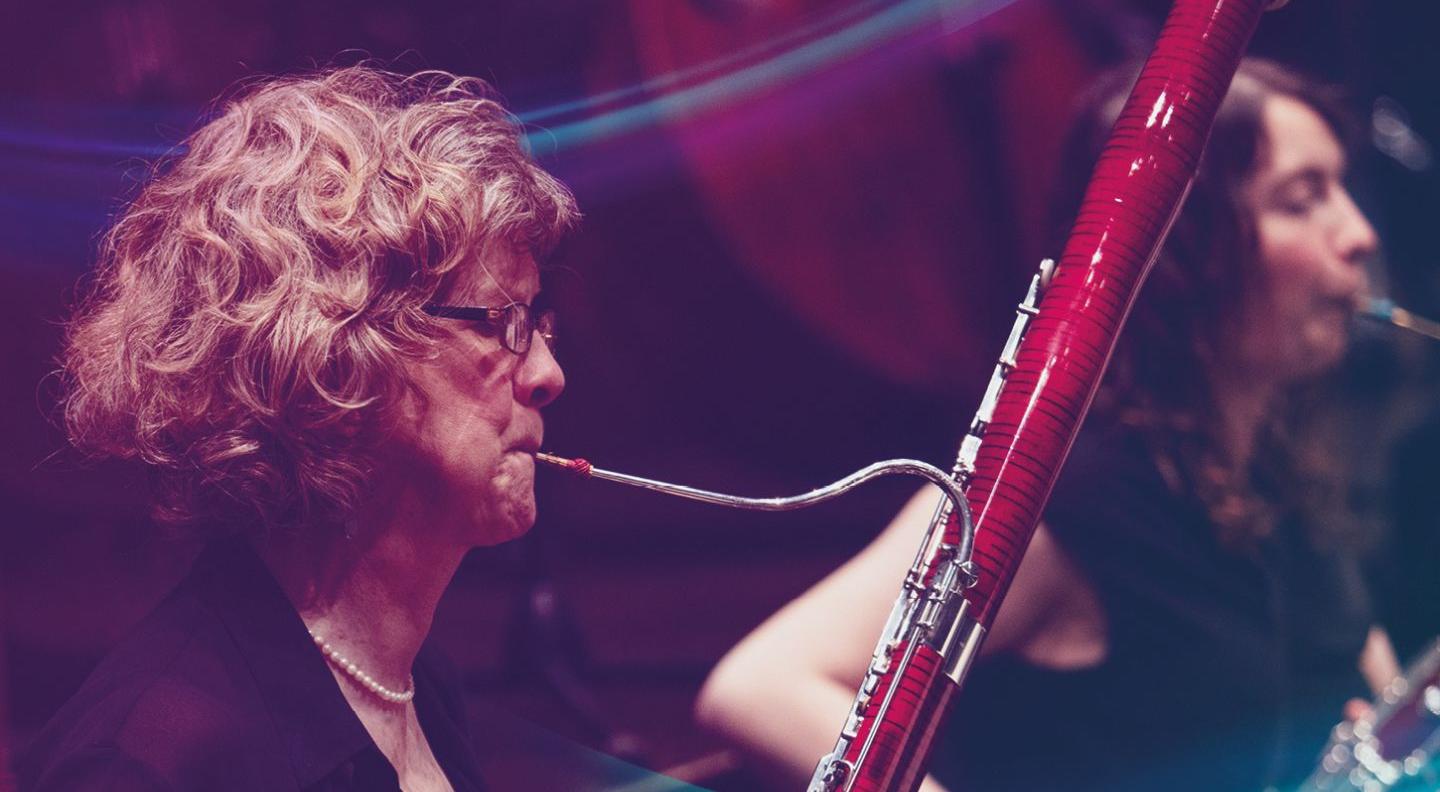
x=441, y=674
x=97, y=767
x=1108, y=473
x=1113, y=511
x=169, y=704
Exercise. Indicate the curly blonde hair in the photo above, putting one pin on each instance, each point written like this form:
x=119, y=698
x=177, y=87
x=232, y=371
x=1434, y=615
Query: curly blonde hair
x=253, y=306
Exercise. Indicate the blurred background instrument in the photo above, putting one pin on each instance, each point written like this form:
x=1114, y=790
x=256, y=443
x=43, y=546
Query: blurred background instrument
x=1395, y=746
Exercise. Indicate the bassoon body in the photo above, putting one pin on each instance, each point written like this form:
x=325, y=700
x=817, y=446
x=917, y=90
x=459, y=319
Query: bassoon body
x=1046, y=378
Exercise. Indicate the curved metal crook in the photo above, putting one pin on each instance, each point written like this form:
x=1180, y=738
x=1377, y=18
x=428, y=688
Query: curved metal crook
x=890, y=467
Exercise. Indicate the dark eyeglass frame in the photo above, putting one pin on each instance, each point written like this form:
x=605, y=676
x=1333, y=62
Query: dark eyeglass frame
x=518, y=320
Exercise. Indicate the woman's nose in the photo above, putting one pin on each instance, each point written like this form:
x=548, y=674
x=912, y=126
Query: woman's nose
x=540, y=378
x=1355, y=239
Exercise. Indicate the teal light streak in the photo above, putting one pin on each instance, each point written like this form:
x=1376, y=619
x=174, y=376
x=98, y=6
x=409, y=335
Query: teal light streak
x=666, y=81
x=885, y=25
x=831, y=39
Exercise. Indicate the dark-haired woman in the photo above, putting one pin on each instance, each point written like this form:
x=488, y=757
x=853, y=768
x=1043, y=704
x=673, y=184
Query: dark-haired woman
x=1184, y=618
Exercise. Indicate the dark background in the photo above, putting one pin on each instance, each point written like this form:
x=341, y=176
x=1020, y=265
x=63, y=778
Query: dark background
x=807, y=224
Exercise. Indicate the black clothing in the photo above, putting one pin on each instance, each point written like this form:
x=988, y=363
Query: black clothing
x=1407, y=584
x=220, y=688
x=1225, y=668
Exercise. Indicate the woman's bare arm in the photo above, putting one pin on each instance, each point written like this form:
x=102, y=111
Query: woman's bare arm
x=1378, y=663
x=783, y=693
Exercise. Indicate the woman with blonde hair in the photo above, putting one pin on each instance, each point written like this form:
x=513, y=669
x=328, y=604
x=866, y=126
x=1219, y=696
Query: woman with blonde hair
x=317, y=326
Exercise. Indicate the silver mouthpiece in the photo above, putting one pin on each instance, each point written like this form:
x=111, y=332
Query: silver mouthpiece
x=1384, y=310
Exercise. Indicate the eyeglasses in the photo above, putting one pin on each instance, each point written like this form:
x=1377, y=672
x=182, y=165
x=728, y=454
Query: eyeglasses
x=518, y=320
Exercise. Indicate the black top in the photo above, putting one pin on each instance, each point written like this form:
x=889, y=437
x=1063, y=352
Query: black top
x=1225, y=668
x=220, y=688
x=1406, y=578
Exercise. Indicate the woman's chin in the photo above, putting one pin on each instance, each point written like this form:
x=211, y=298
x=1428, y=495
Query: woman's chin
x=510, y=522
x=1319, y=351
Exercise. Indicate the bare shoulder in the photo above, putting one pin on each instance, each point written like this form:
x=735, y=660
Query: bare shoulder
x=1052, y=616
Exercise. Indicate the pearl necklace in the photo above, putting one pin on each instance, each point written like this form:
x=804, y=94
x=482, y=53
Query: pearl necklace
x=368, y=682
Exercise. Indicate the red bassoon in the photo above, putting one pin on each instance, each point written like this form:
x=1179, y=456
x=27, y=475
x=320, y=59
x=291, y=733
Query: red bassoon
x=1063, y=335
x=1061, y=341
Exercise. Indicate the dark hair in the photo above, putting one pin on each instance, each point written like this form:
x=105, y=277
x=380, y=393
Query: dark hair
x=1160, y=378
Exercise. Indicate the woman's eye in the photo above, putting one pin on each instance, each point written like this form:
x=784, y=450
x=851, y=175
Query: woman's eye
x=484, y=329
x=1301, y=197
x=1299, y=203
